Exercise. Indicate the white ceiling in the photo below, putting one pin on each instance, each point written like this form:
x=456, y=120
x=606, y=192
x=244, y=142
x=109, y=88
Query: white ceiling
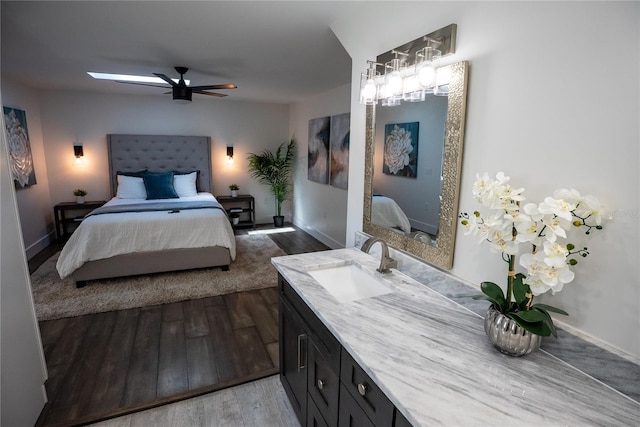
x=273, y=51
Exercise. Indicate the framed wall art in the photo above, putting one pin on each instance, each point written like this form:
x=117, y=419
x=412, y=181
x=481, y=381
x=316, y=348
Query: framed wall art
x=318, y=157
x=339, y=143
x=20, y=158
x=401, y=149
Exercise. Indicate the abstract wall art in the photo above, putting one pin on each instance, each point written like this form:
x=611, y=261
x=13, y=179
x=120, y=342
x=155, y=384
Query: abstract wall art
x=318, y=158
x=339, y=143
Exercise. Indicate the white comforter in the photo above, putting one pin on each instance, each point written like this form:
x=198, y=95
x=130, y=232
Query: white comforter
x=387, y=213
x=108, y=235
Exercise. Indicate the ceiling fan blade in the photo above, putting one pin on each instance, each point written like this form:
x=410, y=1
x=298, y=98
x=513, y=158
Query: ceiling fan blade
x=142, y=84
x=219, y=95
x=225, y=86
x=166, y=79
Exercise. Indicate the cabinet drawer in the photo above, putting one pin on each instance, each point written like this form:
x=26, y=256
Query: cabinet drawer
x=364, y=391
x=314, y=417
x=351, y=414
x=323, y=384
x=400, y=420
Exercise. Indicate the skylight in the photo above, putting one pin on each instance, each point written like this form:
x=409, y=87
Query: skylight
x=130, y=78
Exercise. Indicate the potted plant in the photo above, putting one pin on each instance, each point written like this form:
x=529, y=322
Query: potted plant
x=234, y=190
x=274, y=170
x=513, y=323
x=79, y=193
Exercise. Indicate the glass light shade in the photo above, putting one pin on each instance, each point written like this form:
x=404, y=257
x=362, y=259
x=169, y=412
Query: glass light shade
x=394, y=83
x=368, y=90
x=426, y=74
x=443, y=78
x=411, y=90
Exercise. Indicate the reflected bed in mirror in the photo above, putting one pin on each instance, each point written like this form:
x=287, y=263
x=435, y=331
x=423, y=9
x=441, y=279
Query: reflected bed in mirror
x=413, y=204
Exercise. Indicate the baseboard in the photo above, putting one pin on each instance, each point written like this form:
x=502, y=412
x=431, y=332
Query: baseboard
x=327, y=240
x=40, y=244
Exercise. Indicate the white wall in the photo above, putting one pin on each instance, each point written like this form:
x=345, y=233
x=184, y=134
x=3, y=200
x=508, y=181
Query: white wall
x=320, y=209
x=22, y=366
x=34, y=202
x=553, y=102
x=89, y=117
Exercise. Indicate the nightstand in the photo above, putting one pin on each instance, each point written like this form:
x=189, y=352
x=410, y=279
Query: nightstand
x=79, y=210
x=243, y=205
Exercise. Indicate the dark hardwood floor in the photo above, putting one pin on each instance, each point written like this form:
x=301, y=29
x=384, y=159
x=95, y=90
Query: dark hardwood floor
x=108, y=364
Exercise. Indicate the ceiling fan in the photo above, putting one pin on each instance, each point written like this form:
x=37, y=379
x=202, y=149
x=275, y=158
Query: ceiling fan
x=180, y=90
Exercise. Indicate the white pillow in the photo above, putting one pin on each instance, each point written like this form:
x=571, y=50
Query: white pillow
x=131, y=187
x=185, y=185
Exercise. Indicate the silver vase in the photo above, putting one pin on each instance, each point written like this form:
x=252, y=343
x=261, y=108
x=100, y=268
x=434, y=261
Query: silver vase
x=507, y=336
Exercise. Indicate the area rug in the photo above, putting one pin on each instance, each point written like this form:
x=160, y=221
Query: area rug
x=55, y=298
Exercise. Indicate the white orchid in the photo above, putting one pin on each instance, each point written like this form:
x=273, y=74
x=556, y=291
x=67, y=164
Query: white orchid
x=539, y=226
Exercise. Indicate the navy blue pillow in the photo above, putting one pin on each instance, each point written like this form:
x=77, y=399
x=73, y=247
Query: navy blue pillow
x=159, y=185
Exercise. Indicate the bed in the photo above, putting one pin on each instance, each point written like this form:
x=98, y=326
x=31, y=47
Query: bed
x=386, y=213
x=131, y=235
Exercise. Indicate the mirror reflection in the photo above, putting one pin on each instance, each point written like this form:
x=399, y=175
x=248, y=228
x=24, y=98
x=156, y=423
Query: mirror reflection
x=412, y=171
x=407, y=178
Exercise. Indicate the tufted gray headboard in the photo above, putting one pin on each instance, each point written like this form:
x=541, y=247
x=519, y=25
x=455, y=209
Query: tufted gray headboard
x=162, y=153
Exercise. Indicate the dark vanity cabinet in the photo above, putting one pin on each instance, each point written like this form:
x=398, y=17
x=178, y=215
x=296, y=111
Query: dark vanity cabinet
x=325, y=386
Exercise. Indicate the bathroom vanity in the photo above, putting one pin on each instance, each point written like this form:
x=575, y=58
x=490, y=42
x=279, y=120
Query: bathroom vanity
x=407, y=355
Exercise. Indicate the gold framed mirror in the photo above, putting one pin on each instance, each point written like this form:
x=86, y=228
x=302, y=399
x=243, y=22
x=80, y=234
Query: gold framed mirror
x=436, y=246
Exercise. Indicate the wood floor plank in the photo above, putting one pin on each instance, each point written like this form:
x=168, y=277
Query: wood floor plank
x=201, y=365
x=223, y=410
x=172, y=360
x=172, y=312
x=254, y=353
x=227, y=353
x=142, y=375
x=110, y=382
x=263, y=319
x=74, y=395
x=274, y=352
x=270, y=295
x=195, y=319
x=239, y=314
x=214, y=300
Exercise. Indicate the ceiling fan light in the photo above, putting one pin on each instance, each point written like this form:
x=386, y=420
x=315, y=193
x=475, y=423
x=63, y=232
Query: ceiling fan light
x=182, y=93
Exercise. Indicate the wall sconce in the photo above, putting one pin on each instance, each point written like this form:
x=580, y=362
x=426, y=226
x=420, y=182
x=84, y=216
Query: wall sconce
x=394, y=77
x=229, y=154
x=78, y=152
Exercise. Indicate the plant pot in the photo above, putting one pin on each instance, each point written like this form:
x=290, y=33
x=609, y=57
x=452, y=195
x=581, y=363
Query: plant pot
x=235, y=219
x=234, y=193
x=507, y=336
x=278, y=220
x=80, y=200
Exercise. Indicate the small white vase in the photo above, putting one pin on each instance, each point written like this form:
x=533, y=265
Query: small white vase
x=234, y=193
x=80, y=200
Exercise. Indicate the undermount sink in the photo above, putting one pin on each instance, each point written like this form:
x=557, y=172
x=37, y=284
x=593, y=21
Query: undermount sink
x=348, y=282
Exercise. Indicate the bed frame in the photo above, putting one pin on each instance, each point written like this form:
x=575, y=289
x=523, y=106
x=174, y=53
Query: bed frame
x=129, y=153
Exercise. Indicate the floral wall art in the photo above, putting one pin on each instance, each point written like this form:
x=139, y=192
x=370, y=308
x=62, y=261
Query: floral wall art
x=401, y=149
x=318, y=157
x=20, y=157
x=339, y=143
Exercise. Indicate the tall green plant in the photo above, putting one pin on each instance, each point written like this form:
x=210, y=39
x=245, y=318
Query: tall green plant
x=274, y=170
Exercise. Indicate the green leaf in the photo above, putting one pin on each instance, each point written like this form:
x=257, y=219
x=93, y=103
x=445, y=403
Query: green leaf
x=494, y=294
x=548, y=321
x=549, y=308
x=531, y=316
x=520, y=291
x=539, y=328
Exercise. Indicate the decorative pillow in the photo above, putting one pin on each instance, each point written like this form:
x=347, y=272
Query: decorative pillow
x=185, y=184
x=159, y=185
x=130, y=187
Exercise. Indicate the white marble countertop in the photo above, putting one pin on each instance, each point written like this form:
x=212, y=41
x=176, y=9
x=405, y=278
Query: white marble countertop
x=433, y=360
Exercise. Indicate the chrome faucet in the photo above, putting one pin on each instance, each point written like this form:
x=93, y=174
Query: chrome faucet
x=386, y=262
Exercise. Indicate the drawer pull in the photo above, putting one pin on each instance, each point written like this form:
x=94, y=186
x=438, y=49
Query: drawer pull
x=362, y=389
x=321, y=384
x=302, y=357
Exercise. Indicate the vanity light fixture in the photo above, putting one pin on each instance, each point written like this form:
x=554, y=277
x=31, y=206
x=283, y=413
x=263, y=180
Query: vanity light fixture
x=230, y=153
x=403, y=80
